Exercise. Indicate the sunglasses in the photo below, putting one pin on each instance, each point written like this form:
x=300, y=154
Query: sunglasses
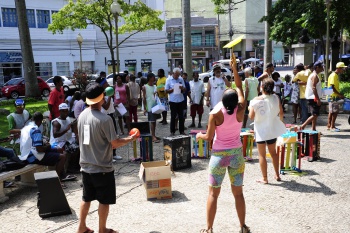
x=20, y=106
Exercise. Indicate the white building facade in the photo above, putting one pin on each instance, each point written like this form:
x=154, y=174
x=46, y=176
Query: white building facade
x=59, y=54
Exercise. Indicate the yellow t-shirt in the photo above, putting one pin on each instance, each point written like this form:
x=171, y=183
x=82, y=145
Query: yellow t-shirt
x=302, y=76
x=161, y=87
x=333, y=79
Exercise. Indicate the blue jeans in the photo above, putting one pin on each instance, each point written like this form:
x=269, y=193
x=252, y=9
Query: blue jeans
x=9, y=154
x=304, y=110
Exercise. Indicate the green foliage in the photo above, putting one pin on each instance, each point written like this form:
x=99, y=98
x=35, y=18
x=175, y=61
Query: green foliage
x=345, y=89
x=222, y=5
x=345, y=77
x=81, y=13
x=282, y=18
x=287, y=18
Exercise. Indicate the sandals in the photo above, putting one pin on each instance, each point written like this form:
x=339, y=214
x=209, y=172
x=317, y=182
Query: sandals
x=69, y=178
x=244, y=229
x=88, y=230
x=206, y=231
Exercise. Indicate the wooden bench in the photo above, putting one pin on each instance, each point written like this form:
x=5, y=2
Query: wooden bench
x=27, y=177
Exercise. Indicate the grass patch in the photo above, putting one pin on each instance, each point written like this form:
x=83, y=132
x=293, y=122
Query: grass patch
x=32, y=106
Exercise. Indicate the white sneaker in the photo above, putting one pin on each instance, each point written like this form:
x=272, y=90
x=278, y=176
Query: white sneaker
x=117, y=157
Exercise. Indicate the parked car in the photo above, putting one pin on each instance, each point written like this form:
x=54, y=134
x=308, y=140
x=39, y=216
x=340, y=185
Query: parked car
x=205, y=76
x=67, y=84
x=16, y=87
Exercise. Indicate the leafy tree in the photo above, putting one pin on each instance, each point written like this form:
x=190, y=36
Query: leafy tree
x=282, y=18
x=288, y=18
x=78, y=14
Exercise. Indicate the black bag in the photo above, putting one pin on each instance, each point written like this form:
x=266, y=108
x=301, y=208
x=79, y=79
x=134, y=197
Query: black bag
x=11, y=165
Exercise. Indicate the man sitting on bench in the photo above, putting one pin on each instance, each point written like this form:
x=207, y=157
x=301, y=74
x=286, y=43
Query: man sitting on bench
x=61, y=137
x=40, y=151
x=18, y=119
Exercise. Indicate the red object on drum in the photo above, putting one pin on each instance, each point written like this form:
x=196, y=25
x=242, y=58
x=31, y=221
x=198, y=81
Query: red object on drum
x=133, y=131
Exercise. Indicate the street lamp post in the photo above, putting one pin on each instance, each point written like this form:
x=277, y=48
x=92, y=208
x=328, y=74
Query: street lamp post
x=80, y=41
x=328, y=5
x=115, y=10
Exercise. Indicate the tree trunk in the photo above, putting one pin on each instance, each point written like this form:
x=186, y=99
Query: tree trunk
x=31, y=87
x=187, y=47
x=268, y=42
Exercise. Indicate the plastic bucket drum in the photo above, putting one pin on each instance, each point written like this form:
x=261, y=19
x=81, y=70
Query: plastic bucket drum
x=346, y=105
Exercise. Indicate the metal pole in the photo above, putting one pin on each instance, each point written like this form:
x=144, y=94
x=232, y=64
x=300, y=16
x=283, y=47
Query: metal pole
x=327, y=45
x=81, y=58
x=230, y=33
x=116, y=40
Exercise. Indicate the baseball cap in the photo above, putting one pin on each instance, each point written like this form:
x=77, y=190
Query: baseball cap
x=318, y=64
x=340, y=65
x=63, y=106
x=216, y=66
x=94, y=93
x=19, y=102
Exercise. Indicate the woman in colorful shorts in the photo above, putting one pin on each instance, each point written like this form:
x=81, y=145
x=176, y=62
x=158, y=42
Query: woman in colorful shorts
x=225, y=120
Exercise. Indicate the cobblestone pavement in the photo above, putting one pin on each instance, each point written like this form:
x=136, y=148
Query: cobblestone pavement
x=317, y=201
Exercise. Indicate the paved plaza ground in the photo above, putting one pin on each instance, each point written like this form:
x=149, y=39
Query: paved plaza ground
x=317, y=201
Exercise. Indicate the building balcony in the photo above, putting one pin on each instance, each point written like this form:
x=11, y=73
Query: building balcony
x=179, y=45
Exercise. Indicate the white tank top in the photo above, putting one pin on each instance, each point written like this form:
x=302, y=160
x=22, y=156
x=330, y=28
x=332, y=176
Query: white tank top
x=309, y=94
x=64, y=124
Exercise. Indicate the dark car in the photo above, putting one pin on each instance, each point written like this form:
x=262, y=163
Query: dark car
x=16, y=87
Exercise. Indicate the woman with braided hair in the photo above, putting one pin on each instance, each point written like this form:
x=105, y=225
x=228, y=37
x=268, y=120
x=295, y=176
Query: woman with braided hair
x=225, y=121
x=267, y=112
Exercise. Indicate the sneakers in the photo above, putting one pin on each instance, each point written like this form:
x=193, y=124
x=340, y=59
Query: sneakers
x=335, y=130
x=117, y=157
x=8, y=184
x=244, y=229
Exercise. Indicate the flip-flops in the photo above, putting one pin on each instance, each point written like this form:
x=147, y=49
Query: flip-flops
x=88, y=230
x=69, y=178
x=156, y=141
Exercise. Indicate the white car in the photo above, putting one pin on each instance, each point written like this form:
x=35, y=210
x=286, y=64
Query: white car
x=67, y=83
x=205, y=76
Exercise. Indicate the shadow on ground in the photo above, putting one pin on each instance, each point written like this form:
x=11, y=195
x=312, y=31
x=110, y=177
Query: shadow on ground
x=303, y=188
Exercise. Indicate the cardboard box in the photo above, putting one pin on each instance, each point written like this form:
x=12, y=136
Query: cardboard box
x=156, y=178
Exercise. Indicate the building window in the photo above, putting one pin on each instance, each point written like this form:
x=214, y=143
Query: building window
x=86, y=65
x=178, y=39
x=196, y=37
x=209, y=38
x=31, y=18
x=9, y=17
x=43, y=70
x=43, y=17
x=169, y=43
x=62, y=68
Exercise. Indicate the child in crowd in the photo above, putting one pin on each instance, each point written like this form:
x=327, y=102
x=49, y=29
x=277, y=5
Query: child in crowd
x=287, y=90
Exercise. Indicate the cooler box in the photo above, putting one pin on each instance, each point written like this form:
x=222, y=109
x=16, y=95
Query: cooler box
x=156, y=178
x=178, y=150
x=199, y=149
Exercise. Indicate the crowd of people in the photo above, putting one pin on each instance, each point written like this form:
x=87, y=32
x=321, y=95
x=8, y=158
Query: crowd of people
x=83, y=133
